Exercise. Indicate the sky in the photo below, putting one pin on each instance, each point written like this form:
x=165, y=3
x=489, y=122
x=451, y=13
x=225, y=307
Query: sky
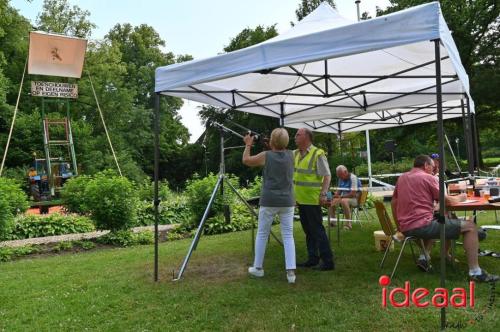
x=200, y=28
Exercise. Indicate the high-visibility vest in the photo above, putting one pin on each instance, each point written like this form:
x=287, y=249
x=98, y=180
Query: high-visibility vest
x=305, y=178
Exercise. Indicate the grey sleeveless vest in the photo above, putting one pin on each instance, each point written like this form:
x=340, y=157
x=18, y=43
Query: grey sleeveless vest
x=277, y=180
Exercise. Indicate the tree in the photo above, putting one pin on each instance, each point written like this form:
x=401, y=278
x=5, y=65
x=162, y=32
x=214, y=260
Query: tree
x=58, y=17
x=249, y=37
x=307, y=6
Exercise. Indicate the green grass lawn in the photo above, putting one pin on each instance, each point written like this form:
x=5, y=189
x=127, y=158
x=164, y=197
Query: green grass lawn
x=113, y=290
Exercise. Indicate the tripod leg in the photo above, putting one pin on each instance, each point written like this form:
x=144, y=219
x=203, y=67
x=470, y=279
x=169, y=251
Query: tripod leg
x=250, y=208
x=200, y=228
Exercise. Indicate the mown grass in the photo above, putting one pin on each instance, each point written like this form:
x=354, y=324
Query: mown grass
x=113, y=290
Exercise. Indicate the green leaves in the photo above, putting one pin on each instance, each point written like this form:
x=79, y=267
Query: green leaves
x=112, y=201
x=30, y=226
x=58, y=17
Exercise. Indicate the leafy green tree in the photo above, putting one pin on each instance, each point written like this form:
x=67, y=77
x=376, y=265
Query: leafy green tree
x=307, y=6
x=249, y=37
x=58, y=17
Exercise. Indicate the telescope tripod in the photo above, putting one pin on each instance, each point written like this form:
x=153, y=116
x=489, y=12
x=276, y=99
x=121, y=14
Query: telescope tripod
x=222, y=178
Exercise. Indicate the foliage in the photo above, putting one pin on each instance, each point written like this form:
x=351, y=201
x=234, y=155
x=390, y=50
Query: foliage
x=241, y=219
x=6, y=219
x=253, y=189
x=73, y=194
x=198, y=193
x=16, y=199
x=307, y=6
x=144, y=237
x=145, y=190
x=112, y=201
x=174, y=210
x=249, y=37
x=126, y=238
x=58, y=17
x=8, y=253
x=30, y=226
x=86, y=245
x=63, y=246
x=381, y=167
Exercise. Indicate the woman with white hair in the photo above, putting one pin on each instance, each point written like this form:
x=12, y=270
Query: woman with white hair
x=276, y=198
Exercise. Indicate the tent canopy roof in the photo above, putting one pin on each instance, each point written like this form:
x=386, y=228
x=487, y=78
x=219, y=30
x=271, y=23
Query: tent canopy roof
x=331, y=74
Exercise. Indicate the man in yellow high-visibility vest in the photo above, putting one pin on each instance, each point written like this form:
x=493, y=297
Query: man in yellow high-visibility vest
x=312, y=180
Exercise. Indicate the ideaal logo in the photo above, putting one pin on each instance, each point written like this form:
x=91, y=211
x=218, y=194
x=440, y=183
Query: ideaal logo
x=460, y=297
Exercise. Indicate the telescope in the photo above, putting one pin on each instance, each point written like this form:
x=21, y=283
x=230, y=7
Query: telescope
x=257, y=138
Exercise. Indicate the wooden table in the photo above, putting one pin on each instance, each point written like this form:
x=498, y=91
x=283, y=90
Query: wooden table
x=481, y=204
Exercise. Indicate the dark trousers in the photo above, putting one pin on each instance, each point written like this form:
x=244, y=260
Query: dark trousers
x=316, y=240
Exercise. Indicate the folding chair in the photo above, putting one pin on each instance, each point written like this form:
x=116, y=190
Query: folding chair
x=363, y=195
x=390, y=230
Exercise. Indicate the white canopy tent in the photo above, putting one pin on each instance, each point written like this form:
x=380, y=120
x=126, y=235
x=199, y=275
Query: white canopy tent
x=333, y=75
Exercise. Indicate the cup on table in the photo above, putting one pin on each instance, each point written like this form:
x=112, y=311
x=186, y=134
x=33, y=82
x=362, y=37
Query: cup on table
x=470, y=191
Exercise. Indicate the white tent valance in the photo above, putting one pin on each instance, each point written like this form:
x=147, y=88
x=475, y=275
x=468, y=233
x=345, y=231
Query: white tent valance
x=334, y=75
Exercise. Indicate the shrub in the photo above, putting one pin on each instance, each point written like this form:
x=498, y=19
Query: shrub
x=17, y=200
x=198, y=192
x=6, y=218
x=73, y=194
x=253, y=190
x=126, y=238
x=145, y=237
x=7, y=254
x=54, y=224
x=86, y=245
x=172, y=211
x=111, y=201
x=63, y=246
x=241, y=219
x=145, y=191
x=121, y=238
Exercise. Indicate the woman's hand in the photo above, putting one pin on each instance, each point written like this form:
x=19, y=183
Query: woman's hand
x=248, y=140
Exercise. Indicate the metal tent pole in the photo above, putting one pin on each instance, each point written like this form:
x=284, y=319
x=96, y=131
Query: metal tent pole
x=367, y=132
x=156, y=175
x=468, y=150
x=369, y=158
x=440, y=132
x=475, y=141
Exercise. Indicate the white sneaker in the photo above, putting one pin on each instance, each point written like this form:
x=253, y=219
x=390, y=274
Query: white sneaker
x=256, y=272
x=290, y=275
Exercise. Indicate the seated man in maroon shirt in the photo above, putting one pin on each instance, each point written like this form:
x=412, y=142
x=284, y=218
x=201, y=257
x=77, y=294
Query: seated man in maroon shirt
x=413, y=205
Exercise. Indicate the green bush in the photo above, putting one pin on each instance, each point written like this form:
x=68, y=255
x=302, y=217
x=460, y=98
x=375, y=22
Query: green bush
x=55, y=224
x=63, y=246
x=86, y=245
x=112, y=201
x=17, y=200
x=126, y=238
x=174, y=210
x=7, y=254
x=6, y=218
x=253, y=190
x=145, y=191
x=145, y=237
x=241, y=219
x=198, y=192
x=73, y=194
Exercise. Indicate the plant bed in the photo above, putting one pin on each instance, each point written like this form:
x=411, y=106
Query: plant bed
x=103, y=241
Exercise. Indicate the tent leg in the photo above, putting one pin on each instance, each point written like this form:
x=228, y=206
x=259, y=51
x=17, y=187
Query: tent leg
x=369, y=158
x=470, y=161
x=156, y=175
x=440, y=133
